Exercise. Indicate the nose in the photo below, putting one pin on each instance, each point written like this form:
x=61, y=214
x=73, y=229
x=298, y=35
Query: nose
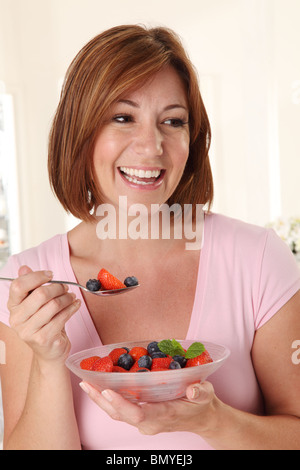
x=148, y=141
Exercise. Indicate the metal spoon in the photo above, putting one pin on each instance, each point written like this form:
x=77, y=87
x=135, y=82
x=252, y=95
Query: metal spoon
x=103, y=293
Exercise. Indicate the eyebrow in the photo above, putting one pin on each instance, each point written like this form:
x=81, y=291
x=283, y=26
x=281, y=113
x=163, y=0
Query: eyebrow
x=167, y=108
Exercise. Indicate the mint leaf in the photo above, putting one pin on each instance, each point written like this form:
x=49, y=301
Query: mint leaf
x=165, y=346
x=194, y=350
x=171, y=347
x=174, y=348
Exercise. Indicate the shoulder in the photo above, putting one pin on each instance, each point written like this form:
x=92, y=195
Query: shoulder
x=250, y=246
x=232, y=225
x=42, y=256
x=235, y=233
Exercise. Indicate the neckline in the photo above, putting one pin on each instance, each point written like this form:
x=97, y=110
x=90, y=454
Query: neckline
x=83, y=311
x=199, y=291
x=195, y=320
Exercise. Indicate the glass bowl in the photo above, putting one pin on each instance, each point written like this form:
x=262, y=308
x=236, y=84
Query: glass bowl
x=147, y=387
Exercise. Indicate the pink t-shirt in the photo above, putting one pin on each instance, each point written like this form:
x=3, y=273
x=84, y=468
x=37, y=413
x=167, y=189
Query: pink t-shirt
x=246, y=274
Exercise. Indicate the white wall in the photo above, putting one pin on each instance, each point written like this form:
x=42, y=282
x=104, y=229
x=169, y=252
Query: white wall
x=247, y=56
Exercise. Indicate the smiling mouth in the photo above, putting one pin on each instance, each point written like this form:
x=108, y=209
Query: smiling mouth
x=140, y=176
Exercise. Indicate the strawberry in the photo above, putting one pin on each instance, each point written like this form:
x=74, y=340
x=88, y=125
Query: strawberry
x=203, y=358
x=115, y=354
x=161, y=363
x=138, y=352
x=137, y=368
x=134, y=367
x=104, y=364
x=119, y=369
x=87, y=363
x=108, y=281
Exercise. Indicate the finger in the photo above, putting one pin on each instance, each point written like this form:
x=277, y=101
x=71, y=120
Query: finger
x=37, y=334
x=127, y=411
x=26, y=283
x=115, y=405
x=54, y=307
x=100, y=400
x=34, y=302
x=200, y=392
x=24, y=270
x=51, y=294
x=56, y=326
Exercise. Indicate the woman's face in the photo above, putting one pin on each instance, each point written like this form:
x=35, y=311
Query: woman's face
x=142, y=149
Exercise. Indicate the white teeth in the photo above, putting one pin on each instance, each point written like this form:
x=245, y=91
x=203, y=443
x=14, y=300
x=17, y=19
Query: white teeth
x=140, y=173
x=133, y=180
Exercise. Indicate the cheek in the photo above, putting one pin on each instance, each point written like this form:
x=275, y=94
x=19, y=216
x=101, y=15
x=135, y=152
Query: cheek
x=103, y=162
x=104, y=151
x=181, y=149
x=108, y=147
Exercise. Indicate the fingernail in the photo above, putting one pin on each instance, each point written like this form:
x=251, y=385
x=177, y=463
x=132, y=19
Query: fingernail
x=84, y=387
x=76, y=303
x=195, y=393
x=49, y=274
x=106, y=394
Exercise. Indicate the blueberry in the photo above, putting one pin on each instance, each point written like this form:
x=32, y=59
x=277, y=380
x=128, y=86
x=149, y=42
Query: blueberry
x=145, y=361
x=125, y=361
x=158, y=354
x=174, y=365
x=93, y=285
x=131, y=281
x=143, y=370
x=181, y=360
x=153, y=347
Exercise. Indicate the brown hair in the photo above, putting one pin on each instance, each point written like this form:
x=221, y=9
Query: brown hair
x=115, y=62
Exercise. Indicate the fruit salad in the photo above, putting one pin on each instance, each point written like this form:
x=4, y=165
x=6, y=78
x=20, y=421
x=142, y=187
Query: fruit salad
x=107, y=281
x=157, y=356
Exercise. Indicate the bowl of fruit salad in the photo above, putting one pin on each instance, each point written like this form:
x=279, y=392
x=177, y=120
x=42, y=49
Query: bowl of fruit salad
x=148, y=371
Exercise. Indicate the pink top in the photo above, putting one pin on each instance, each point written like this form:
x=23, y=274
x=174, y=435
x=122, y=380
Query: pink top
x=246, y=274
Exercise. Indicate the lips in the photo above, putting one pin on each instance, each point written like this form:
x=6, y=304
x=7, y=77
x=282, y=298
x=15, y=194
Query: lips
x=143, y=178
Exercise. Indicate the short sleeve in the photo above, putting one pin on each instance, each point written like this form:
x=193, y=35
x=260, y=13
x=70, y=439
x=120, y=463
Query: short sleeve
x=278, y=279
x=9, y=270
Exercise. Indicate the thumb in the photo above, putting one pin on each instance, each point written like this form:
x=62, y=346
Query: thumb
x=24, y=270
x=200, y=392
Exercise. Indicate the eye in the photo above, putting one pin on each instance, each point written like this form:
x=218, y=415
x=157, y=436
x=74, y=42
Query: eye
x=175, y=122
x=123, y=118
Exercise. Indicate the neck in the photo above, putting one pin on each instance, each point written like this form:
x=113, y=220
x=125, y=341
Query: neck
x=126, y=235
x=157, y=224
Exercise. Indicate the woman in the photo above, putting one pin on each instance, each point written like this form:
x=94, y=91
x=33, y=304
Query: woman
x=131, y=103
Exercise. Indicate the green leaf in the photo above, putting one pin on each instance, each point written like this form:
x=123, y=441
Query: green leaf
x=194, y=350
x=171, y=347
x=165, y=346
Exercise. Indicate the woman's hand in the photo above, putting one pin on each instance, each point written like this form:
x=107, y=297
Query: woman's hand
x=196, y=413
x=39, y=311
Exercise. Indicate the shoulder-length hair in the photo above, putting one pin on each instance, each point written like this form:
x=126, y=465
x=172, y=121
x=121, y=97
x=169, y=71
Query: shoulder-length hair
x=112, y=64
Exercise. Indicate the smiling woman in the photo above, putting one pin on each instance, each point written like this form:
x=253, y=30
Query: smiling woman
x=131, y=125
x=110, y=73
